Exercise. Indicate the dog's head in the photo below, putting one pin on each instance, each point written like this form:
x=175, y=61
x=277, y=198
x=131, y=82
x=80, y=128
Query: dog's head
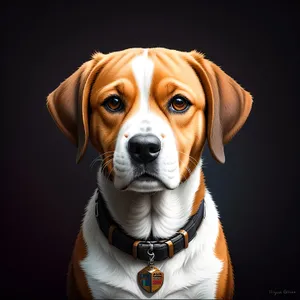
x=149, y=112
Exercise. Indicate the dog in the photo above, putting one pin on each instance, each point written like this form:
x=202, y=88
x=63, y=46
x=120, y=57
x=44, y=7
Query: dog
x=151, y=228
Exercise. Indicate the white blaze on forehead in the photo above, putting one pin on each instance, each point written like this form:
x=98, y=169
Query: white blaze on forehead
x=143, y=67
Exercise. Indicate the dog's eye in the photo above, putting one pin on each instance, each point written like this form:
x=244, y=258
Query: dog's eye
x=113, y=104
x=179, y=104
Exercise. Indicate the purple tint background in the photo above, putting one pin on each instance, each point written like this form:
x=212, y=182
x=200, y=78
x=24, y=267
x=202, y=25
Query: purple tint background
x=45, y=192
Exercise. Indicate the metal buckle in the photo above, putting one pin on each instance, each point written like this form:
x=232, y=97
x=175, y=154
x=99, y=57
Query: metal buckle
x=185, y=236
x=170, y=248
x=150, y=254
x=110, y=233
x=134, y=248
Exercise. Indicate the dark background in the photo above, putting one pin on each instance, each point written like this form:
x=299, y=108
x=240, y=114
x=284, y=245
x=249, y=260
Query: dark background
x=45, y=192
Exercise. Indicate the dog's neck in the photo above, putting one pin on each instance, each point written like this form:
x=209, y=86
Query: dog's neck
x=160, y=213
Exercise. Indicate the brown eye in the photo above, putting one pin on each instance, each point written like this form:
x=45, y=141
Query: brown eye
x=113, y=104
x=179, y=104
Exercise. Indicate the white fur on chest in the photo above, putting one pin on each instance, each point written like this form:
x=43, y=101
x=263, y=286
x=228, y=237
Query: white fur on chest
x=192, y=273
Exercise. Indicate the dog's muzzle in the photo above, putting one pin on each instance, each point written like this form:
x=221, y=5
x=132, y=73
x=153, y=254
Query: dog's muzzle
x=144, y=148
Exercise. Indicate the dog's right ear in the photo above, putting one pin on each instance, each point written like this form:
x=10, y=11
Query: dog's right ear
x=68, y=104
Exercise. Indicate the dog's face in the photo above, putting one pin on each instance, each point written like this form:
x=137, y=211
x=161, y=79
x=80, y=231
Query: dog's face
x=148, y=112
x=147, y=107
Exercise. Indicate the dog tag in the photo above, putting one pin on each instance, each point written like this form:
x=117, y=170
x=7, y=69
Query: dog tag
x=150, y=279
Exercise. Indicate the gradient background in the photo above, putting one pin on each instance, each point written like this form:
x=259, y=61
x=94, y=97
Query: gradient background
x=45, y=192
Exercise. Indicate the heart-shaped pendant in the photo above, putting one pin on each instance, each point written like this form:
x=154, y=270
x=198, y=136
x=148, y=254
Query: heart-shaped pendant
x=150, y=279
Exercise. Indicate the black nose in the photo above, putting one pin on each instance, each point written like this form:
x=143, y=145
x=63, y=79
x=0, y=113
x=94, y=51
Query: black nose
x=144, y=148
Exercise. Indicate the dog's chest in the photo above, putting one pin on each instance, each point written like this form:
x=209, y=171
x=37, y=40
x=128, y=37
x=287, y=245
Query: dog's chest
x=191, y=273
x=184, y=277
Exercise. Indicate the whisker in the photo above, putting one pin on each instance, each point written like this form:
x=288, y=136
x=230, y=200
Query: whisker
x=193, y=160
x=106, y=153
x=100, y=159
x=108, y=159
x=110, y=173
x=108, y=156
x=105, y=165
x=186, y=169
x=105, y=162
x=94, y=161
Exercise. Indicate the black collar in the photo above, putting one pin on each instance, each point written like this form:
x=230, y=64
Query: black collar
x=162, y=249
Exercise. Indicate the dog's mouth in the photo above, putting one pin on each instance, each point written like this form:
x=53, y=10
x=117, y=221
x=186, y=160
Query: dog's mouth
x=145, y=182
x=146, y=177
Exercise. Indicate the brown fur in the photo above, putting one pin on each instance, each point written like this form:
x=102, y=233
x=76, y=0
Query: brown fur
x=228, y=105
x=77, y=284
x=225, y=286
x=119, y=80
x=173, y=75
x=220, y=107
x=199, y=195
x=116, y=78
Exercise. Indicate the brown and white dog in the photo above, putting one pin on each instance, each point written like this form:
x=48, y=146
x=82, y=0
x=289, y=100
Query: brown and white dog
x=148, y=112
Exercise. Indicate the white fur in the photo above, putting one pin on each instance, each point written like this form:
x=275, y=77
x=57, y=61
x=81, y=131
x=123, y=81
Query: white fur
x=112, y=274
x=144, y=121
x=192, y=273
x=142, y=67
x=164, y=212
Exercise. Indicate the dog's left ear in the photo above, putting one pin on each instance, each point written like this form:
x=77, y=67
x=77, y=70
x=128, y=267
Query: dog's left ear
x=228, y=104
x=68, y=104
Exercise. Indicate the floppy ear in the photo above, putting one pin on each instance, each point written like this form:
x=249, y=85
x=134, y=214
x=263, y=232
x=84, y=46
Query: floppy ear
x=228, y=104
x=68, y=104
